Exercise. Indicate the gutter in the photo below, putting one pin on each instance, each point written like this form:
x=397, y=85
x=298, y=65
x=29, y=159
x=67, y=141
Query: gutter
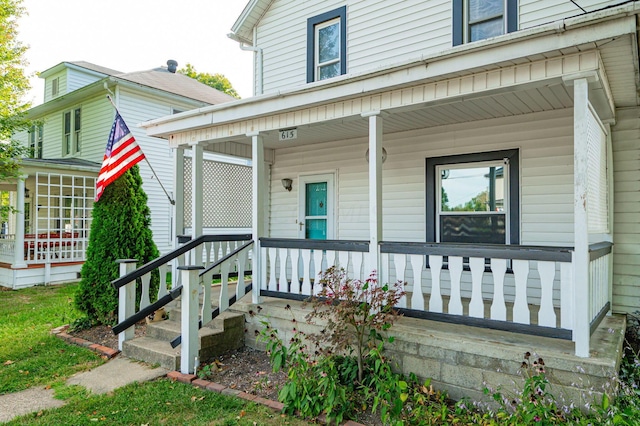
x=258, y=60
x=631, y=8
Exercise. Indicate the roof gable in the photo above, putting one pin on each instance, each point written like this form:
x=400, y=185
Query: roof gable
x=249, y=18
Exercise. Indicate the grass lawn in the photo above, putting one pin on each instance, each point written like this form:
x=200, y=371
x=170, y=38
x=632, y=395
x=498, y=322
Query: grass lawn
x=31, y=356
x=161, y=402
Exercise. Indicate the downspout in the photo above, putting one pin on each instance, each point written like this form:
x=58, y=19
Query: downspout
x=258, y=58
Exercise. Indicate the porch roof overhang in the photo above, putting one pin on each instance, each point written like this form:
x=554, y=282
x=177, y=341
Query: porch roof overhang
x=68, y=166
x=518, y=73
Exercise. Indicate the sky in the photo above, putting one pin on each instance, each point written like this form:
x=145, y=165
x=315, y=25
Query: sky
x=134, y=35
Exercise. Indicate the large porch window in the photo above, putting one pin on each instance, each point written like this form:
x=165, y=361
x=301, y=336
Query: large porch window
x=473, y=198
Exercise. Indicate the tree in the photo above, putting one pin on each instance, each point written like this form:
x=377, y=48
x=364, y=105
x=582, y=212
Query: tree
x=120, y=230
x=217, y=81
x=13, y=86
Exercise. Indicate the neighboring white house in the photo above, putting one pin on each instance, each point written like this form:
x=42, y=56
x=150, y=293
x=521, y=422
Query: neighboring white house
x=69, y=140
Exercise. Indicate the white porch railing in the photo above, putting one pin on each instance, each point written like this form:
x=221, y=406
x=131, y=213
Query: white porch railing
x=7, y=248
x=225, y=256
x=525, y=289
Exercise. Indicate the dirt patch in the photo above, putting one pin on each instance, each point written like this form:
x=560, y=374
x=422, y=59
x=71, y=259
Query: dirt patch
x=103, y=335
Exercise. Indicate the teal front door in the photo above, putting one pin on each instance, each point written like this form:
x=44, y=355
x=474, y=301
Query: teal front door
x=315, y=216
x=316, y=207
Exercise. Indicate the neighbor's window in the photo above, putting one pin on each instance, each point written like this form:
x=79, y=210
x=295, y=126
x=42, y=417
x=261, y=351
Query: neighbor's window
x=36, y=136
x=475, y=20
x=72, y=135
x=55, y=87
x=326, y=45
x=473, y=198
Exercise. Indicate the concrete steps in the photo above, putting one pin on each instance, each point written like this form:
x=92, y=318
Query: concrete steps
x=224, y=333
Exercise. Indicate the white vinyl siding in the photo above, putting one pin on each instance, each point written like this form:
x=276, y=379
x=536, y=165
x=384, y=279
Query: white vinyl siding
x=546, y=162
x=626, y=152
x=77, y=79
x=538, y=12
x=380, y=33
x=62, y=85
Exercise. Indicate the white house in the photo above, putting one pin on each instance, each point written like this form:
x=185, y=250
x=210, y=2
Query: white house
x=67, y=145
x=487, y=153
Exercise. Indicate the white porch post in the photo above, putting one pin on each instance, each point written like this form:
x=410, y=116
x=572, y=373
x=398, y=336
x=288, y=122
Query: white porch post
x=126, y=300
x=197, y=165
x=581, y=300
x=257, y=210
x=177, y=210
x=189, y=318
x=19, y=261
x=375, y=189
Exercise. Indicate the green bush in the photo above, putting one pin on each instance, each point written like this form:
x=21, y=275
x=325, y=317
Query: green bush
x=120, y=230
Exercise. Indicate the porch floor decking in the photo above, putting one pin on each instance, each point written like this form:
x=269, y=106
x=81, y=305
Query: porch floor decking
x=462, y=359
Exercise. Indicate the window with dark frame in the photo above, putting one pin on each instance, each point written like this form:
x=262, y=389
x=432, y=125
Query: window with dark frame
x=327, y=45
x=55, y=87
x=474, y=198
x=76, y=129
x=67, y=133
x=72, y=132
x=36, y=135
x=475, y=20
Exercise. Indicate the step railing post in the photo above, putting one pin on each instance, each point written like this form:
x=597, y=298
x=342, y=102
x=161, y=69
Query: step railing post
x=189, y=318
x=126, y=300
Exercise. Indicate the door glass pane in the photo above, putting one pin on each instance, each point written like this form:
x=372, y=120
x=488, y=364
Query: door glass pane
x=316, y=229
x=316, y=199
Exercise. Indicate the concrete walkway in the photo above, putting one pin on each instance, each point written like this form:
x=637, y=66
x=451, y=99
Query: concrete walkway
x=118, y=372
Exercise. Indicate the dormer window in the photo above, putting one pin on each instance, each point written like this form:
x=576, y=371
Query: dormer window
x=55, y=87
x=327, y=45
x=475, y=20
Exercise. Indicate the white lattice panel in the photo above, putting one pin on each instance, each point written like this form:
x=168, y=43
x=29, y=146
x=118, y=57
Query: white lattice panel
x=226, y=198
x=597, y=176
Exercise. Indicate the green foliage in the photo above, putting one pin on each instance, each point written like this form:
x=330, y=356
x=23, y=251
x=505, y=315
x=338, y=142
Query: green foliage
x=13, y=87
x=120, y=230
x=217, y=81
x=355, y=312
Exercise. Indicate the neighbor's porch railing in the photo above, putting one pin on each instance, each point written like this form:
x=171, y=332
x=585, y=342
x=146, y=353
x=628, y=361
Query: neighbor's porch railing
x=7, y=248
x=527, y=289
x=224, y=256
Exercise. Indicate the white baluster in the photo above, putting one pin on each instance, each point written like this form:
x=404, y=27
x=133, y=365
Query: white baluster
x=180, y=262
x=223, y=303
x=295, y=275
x=455, y=273
x=306, y=281
x=242, y=262
x=162, y=289
x=498, y=307
x=417, y=298
x=520, y=306
x=263, y=270
x=546, y=314
x=400, y=263
x=273, y=285
x=330, y=257
x=283, y=285
x=566, y=298
x=207, y=254
x=317, y=266
x=216, y=251
x=144, y=297
x=207, y=310
x=476, y=306
x=435, y=300
x=383, y=274
x=356, y=258
x=343, y=258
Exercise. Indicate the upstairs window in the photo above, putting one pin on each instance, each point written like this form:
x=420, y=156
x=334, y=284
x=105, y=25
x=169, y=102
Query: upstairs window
x=71, y=134
x=36, y=136
x=473, y=198
x=475, y=20
x=327, y=45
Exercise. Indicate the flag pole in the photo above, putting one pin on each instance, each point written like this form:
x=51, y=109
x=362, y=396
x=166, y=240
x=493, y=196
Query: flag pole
x=173, y=202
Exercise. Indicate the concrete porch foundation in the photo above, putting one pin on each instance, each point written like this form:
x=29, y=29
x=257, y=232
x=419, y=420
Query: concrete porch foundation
x=462, y=360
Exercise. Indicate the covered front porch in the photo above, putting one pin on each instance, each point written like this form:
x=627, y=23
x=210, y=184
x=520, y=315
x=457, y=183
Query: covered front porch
x=360, y=172
x=45, y=237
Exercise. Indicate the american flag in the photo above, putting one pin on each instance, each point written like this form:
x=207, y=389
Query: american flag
x=121, y=154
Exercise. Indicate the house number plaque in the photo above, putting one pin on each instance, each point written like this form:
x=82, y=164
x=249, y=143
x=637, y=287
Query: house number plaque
x=288, y=134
